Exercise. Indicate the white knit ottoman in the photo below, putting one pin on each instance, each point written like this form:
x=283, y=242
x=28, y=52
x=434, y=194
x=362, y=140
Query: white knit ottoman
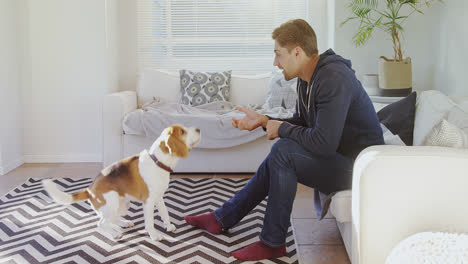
x=429, y=247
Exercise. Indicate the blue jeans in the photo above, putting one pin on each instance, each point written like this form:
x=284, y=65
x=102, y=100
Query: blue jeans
x=287, y=164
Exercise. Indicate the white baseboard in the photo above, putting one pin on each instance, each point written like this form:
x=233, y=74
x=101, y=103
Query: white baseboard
x=62, y=158
x=11, y=166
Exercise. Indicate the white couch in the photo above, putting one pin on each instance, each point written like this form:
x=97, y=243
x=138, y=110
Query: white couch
x=245, y=89
x=399, y=191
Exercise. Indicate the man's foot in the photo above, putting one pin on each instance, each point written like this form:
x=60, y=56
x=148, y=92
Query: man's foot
x=206, y=221
x=259, y=251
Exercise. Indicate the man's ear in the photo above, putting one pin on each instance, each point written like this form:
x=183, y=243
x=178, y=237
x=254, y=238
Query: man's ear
x=297, y=51
x=176, y=146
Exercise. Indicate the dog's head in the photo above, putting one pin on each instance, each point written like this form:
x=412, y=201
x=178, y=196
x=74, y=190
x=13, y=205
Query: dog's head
x=179, y=140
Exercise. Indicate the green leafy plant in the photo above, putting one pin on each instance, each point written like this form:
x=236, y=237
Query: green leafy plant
x=389, y=19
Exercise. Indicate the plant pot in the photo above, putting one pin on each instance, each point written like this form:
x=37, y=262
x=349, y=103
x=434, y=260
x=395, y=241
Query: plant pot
x=395, y=77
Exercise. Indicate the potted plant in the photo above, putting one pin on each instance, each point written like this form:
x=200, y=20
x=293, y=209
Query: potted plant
x=395, y=77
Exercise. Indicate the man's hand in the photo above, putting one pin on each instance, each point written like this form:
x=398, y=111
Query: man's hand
x=272, y=128
x=250, y=121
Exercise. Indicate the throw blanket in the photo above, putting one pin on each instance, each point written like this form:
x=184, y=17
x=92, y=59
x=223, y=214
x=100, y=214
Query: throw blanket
x=214, y=120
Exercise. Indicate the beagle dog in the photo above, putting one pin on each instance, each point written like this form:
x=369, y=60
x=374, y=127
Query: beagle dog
x=143, y=177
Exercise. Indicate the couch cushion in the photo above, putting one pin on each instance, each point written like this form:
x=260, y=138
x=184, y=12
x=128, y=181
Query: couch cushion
x=431, y=107
x=340, y=206
x=459, y=118
x=461, y=101
x=249, y=89
x=157, y=83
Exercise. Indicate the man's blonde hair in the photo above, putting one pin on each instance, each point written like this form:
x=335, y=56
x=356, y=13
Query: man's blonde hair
x=296, y=32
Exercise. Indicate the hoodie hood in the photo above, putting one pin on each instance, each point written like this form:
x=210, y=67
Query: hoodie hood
x=330, y=56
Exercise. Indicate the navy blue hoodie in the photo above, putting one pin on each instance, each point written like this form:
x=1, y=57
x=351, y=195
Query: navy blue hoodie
x=337, y=115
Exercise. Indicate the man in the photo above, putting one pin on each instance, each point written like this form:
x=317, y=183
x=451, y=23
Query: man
x=333, y=122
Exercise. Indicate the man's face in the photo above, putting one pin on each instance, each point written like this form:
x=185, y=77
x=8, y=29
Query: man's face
x=286, y=61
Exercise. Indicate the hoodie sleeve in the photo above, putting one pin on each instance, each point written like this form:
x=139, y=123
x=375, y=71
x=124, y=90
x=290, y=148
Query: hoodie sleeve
x=332, y=102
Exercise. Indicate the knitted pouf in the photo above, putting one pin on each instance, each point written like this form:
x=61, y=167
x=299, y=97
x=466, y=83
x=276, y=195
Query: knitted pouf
x=429, y=247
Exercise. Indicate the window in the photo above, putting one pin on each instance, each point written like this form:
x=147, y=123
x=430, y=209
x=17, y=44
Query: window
x=211, y=35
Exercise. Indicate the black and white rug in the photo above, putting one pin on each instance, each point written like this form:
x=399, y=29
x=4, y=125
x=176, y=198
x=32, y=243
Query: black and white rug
x=33, y=229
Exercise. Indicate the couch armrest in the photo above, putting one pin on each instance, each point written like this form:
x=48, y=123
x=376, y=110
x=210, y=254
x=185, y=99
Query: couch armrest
x=399, y=191
x=115, y=107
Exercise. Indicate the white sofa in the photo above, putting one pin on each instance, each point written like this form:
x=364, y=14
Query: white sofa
x=399, y=191
x=245, y=89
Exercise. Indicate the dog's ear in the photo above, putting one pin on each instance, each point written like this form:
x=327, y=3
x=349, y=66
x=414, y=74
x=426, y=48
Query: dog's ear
x=177, y=146
x=174, y=144
x=164, y=147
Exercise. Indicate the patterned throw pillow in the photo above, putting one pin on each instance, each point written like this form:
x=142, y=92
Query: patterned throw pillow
x=446, y=134
x=199, y=88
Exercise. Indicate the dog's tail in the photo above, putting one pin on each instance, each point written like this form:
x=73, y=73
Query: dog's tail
x=63, y=197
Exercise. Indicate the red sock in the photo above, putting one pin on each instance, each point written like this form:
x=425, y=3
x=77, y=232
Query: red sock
x=205, y=221
x=259, y=251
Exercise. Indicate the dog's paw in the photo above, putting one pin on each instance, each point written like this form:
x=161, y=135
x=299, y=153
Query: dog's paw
x=117, y=235
x=126, y=224
x=155, y=236
x=170, y=228
x=115, y=232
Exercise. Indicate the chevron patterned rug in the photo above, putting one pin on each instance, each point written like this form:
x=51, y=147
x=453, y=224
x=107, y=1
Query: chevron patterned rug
x=33, y=229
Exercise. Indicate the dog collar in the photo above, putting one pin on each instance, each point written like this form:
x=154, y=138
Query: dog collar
x=160, y=164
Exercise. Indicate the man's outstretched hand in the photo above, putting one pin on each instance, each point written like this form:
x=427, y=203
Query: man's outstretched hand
x=250, y=121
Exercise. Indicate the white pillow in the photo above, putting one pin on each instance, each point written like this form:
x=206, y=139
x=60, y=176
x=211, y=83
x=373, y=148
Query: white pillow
x=281, y=93
x=461, y=101
x=459, y=118
x=158, y=83
x=249, y=89
x=446, y=134
x=431, y=107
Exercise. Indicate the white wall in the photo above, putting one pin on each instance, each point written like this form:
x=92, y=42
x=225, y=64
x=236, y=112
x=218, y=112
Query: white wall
x=319, y=23
x=127, y=45
x=450, y=48
x=71, y=56
x=112, y=28
x=435, y=41
x=10, y=82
